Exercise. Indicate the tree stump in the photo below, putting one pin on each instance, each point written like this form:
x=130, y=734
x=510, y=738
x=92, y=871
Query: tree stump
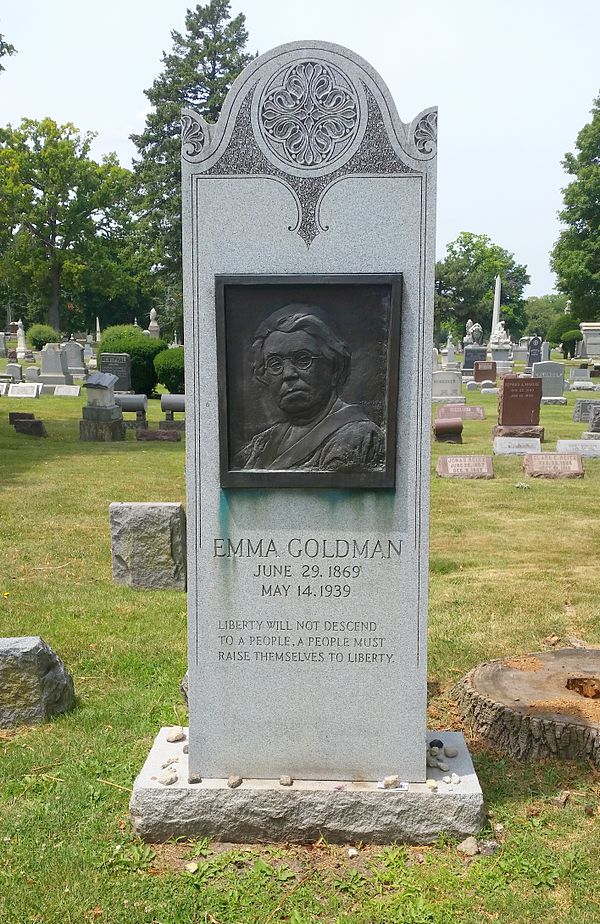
x=536, y=705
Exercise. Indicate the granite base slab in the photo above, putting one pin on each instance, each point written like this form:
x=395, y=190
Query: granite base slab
x=526, y=432
x=551, y=401
x=264, y=811
x=449, y=399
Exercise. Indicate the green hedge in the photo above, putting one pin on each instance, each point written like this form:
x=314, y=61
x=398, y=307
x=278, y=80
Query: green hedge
x=169, y=366
x=126, y=338
x=569, y=341
x=39, y=335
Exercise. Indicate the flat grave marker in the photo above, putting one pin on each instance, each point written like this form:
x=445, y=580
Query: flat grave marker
x=515, y=445
x=465, y=467
x=589, y=448
x=553, y=465
x=464, y=411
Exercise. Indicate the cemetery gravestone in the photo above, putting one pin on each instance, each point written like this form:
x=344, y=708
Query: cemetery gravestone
x=74, y=353
x=2, y=345
x=545, y=351
x=519, y=407
x=473, y=353
x=553, y=465
x=171, y=405
x=15, y=371
x=23, y=390
x=583, y=409
x=515, y=445
x=137, y=404
x=552, y=375
x=119, y=365
x=448, y=429
x=579, y=375
x=464, y=411
x=444, y=385
x=30, y=427
x=484, y=371
x=589, y=448
x=67, y=391
x=293, y=594
x=535, y=351
x=464, y=467
x=54, y=365
x=593, y=431
x=102, y=418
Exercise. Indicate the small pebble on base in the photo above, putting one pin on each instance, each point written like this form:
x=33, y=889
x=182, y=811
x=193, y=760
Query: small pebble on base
x=234, y=781
x=285, y=780
x=436, y=743
x=352, y=853
x=175, y=733
x=168, y=778
x=390, y=782
x=450, y=751
x=432, y=784
x=455, y=778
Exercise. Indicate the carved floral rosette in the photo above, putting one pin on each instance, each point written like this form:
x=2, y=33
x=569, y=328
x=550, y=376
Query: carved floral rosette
x=305, y=115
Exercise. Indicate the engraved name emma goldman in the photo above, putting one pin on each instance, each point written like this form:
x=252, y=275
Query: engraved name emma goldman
x=303, y=364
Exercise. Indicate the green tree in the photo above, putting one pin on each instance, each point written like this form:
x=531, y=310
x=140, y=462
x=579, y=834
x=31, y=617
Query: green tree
x=542, y=311
x=465, y=284
x=197, y=73
x=5, y=50
x=64, y=218
x=562, y=325
x=576, y=255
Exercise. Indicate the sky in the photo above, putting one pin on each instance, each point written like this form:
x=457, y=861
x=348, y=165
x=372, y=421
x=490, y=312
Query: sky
x=514, y=81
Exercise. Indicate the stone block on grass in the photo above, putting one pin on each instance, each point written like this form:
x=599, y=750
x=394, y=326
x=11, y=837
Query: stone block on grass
x=30, y=427
x=19, y=415
x=148, y=545
x=34, y=682
x=158, y=436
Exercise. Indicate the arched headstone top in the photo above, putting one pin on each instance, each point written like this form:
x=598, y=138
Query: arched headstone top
x=310, y=104
x=308, y=114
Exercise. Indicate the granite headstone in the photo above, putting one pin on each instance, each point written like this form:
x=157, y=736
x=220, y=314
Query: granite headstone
x=118, y=364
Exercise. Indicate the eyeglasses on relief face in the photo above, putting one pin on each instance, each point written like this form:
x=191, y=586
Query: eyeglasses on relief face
x=301, y=361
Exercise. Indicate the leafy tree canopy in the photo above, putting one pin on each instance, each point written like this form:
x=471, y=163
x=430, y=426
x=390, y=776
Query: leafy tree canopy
x=197, y=73
x=65, y=222
x=542, y=311
x=5, y=50
x=576, y=255
x=465, y=284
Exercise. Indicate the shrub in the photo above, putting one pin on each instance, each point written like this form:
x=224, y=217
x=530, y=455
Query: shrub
x=126, y=338
x=556, y=331
x=169, y=367
x=39, y=335
x=569, y=339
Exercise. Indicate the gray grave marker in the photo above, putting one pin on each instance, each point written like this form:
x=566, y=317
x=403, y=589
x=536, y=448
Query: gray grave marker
x=298, y=599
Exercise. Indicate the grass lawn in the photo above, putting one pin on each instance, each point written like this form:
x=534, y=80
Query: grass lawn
x=509, y=566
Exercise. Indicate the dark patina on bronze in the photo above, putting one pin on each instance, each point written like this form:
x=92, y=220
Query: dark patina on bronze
x=308, y=380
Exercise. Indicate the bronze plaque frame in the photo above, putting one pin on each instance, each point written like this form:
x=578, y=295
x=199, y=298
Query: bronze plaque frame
x=366, y=310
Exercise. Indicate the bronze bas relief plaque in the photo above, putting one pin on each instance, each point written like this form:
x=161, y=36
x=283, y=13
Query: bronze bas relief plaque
x=308, y=380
